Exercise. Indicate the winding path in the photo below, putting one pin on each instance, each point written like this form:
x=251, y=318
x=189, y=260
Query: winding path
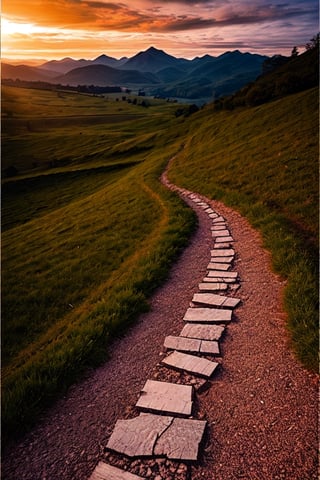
x=261, y=407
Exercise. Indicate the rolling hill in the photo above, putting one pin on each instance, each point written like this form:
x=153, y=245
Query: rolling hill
x=105, y=75
x=26, y=72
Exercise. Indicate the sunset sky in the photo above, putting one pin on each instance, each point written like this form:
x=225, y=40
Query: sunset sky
x=185, y=28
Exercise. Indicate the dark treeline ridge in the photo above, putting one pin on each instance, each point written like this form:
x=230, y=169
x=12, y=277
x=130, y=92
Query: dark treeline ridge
x=283, y=76
x=91, y=89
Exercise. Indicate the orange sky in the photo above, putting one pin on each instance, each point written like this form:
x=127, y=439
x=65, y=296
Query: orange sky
x=187, y=28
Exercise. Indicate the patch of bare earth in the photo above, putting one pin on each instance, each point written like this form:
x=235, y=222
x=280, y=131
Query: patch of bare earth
x=260, y=406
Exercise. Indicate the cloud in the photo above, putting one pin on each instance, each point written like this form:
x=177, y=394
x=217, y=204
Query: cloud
x=96, y=14
x=180, y=25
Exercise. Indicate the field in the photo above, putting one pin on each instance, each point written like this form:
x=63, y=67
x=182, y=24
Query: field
x=84, y=243
x=89, y=232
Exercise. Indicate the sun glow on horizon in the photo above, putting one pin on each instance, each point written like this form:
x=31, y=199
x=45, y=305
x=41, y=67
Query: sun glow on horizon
x=87, y=28
x=10, y=28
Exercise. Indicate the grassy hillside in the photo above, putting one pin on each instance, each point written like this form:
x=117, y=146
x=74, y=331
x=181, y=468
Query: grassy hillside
x=89, y=232
x=84, y=243
x=263, y=161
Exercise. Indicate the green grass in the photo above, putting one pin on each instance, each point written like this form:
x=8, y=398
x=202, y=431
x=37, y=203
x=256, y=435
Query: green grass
x=263, y=161
x=89, y=232
x=83, y=246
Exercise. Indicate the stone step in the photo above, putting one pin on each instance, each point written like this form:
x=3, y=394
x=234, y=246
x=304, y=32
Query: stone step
x=218, y=219
x=191, y=345
x=103, y=471
x=202, y=331
x=166, y=397
x=215, y=300
x=221, y=233
x=224, y=252
x=222, y=245
x=212, y=287
x=219, y=280
x=207, y=315
x=190, y=363
x=218, y=273
x=218, y=228
x=220, y=259
x=213, y=216
x=158, y=436
x=225, y=239
x=209, y=210
x=218, y=266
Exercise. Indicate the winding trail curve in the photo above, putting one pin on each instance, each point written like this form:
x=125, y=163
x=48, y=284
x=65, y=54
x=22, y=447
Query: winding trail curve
x=261, y=406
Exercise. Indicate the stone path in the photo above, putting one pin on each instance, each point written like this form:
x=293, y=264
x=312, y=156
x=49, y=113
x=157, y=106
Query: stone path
x=166, y=427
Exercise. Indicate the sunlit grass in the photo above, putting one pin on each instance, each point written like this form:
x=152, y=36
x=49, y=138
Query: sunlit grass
x=263, y=161
x=83, y=246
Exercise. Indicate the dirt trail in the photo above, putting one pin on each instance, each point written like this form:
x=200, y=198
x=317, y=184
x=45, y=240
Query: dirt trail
x=261, y=406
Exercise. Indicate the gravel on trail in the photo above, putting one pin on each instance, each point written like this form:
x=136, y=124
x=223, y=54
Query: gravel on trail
x=261, y=405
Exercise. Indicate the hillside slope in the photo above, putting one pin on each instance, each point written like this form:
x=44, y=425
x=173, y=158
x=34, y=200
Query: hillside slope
x=263, y=161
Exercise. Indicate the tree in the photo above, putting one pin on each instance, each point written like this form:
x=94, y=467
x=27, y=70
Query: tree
x=314, y=42
x=294, y=52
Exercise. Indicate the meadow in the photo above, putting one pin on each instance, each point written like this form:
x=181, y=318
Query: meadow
x=84, y=243
x=89, y=232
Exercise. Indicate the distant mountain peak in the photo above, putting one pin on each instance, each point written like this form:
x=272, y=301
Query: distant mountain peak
x=104, y=57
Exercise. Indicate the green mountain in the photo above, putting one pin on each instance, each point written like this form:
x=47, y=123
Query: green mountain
x=293, y=75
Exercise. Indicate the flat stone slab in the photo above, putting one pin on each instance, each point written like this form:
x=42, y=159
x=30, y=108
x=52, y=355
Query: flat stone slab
x=209, y=210
x=215, y=300
x=218, y=228
x=218, y=273
x=207, y=315
x=181, y=441
x=166, y=397
x=220, y=259
x=219, y=279
x=190, y=363
x=214, y=216
x=224, y=252
x=225, y=239
x=218, y=219
x=212, y=287
x=218, y=266
x=222, y=245
x=103, y=471
x=157, y=435
x=203, y=331
x=192, y=345
x=220, y=233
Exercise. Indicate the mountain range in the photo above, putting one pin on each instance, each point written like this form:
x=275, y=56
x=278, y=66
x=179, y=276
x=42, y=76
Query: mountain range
x=157, y=72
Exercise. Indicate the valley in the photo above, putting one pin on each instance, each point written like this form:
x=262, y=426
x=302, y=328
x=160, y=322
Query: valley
x=89, y=232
